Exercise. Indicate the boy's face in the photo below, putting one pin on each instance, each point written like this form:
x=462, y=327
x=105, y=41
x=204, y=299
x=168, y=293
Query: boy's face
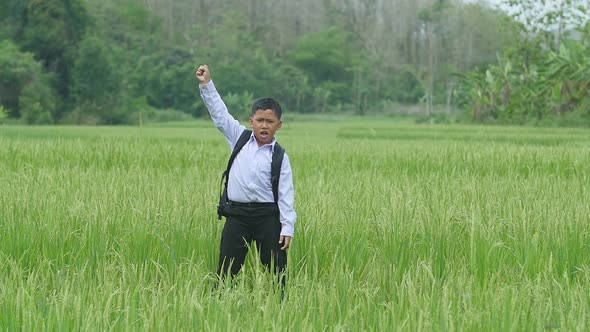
x=265, y=124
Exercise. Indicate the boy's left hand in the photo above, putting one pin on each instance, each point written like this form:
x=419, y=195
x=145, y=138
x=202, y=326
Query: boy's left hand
x=286, y=241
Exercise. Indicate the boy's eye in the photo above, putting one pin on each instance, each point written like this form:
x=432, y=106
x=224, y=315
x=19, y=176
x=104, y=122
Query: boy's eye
x=262, y=120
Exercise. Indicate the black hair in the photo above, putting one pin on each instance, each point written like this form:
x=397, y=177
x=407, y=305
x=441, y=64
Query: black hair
x=267, y=104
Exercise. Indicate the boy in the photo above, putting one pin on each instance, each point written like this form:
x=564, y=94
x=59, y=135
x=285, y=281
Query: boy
x=254, y=214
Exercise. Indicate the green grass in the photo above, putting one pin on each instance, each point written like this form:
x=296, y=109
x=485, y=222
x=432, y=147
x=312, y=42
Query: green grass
x=401, y=227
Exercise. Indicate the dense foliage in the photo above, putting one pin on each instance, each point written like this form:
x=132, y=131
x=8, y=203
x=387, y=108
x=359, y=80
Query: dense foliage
x=112, y=62
x=545, y=80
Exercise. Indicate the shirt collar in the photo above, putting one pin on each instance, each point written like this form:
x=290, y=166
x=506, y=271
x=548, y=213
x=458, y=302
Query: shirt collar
x=271, y=144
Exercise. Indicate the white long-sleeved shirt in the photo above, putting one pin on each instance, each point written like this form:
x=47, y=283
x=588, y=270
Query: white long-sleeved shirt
x=249, y=177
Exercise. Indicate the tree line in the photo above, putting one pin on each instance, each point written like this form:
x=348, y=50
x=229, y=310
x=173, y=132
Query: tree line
x=544, y=79
x=114, y=62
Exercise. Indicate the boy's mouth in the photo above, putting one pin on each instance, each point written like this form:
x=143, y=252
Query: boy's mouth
x=264, y=133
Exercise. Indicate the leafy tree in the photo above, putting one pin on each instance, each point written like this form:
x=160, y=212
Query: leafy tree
x=324, y=55
x=292, y=87
x=52, y=29
x=534, y=81
x=36, y=103
x=11, y=13
x=165, y=79
x=327, y=59
x=131, y=34
x=3, y=114
x=96, y=80
x=23, y=83
x=548, y=23
x=241, y=61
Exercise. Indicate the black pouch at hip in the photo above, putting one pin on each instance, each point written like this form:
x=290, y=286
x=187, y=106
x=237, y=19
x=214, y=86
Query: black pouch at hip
x=223, y=206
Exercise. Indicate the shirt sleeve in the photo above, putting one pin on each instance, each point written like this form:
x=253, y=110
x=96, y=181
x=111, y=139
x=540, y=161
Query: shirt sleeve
x=287, y=199
x=223, y=120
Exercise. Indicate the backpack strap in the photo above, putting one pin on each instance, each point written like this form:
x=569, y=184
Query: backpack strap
x=244, y=138
x=275, y=169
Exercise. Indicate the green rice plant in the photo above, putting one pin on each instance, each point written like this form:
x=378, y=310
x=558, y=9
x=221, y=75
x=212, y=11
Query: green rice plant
x=401, y=227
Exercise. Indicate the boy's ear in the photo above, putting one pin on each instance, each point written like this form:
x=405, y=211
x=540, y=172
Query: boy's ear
x=250, y=122
x=280, y=124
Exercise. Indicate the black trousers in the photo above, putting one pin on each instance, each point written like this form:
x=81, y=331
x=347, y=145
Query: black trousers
x=249, y=222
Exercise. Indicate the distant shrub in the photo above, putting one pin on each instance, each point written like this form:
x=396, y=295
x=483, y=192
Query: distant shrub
x=36, y=103
x=83, y=114
x=435, y=118
x=3, y=114
x=158, y=116
x=570, y=119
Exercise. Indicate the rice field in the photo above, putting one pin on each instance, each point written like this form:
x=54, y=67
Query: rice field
x=401, y=228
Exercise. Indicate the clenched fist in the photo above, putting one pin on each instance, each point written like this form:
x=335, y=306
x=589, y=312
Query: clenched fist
x=203, y=74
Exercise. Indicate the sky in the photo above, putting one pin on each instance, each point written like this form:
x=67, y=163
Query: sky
x=542, y=7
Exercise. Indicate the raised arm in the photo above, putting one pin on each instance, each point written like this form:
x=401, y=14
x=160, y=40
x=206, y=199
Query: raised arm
x=224, y=121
